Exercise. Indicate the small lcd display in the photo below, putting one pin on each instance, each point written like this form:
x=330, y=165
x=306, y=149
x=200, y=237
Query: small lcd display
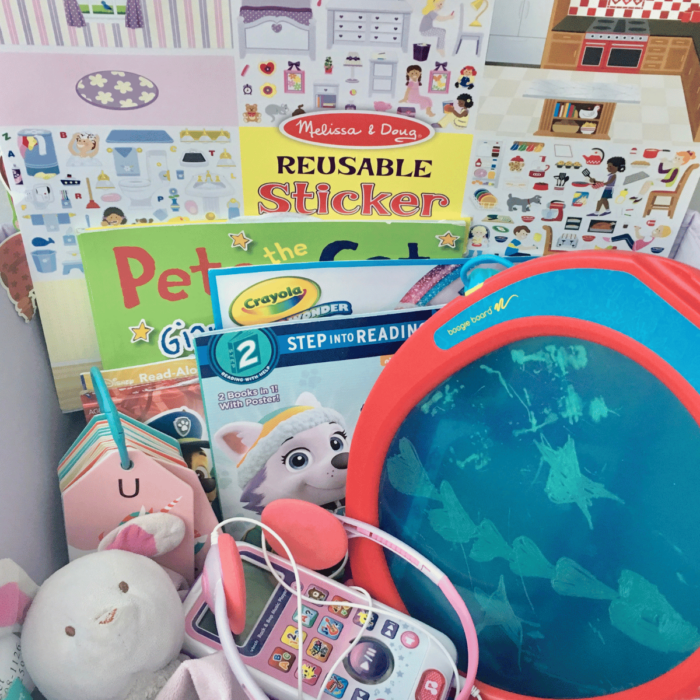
x=260, y=585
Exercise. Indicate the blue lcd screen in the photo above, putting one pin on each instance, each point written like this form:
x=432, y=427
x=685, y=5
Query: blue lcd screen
x=555, y=481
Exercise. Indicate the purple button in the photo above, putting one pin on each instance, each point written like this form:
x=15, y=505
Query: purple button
x=370, y=662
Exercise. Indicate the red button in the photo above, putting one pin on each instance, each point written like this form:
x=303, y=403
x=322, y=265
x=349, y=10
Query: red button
x=431, y=685
x=410, y=640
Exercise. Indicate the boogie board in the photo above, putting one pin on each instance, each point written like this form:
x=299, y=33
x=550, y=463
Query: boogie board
x=538, y=440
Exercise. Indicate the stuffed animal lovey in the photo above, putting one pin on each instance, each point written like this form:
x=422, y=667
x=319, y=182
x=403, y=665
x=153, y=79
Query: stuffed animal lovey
x=16, y=593
x=109, y=625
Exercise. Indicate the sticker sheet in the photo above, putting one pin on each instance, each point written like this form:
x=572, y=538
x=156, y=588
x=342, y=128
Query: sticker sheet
x=587, y=127
x=540, y=197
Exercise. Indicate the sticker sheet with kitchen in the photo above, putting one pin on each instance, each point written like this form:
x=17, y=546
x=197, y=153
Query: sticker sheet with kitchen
x=146, y=113
x=587, y=128
x=534, y=198
x=282, y=401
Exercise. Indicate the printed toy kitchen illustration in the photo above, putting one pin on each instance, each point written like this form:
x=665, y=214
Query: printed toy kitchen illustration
x=147, y=100
x=588, y=142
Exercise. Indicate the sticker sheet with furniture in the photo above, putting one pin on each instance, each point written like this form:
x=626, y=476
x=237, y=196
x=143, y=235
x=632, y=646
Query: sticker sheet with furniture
x=287, y=26
x=383, y=69
x=326, y=95
x=385, y=23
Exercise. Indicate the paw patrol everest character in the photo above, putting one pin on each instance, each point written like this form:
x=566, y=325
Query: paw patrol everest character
x=295, y=452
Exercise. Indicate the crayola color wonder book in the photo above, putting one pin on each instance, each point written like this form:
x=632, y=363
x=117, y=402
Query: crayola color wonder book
x=282, y=402
x=149, y=286
x=296, y=292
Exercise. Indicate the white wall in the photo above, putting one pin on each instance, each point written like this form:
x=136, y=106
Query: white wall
x=34, y=435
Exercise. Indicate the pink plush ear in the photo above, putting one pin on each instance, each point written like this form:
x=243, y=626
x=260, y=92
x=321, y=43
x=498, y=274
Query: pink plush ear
x=132, y=538
x=16, y=593
x=237, y=438
x=14, y=604
x=150, y=535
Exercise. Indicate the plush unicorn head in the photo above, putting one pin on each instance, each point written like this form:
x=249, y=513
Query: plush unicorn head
x=109, y=625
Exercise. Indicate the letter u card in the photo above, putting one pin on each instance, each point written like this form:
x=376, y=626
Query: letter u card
x=109, y=495
x=128, y=490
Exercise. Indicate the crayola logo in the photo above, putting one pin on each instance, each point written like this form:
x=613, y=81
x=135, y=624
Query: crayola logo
x=272, y=300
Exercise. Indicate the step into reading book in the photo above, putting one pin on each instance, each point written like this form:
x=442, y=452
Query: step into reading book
x=282, y=401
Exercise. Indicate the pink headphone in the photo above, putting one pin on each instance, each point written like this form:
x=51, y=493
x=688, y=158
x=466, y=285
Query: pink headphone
x=223, y=581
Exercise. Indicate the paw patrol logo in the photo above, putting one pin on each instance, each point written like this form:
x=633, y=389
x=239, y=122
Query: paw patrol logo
x=182, y=426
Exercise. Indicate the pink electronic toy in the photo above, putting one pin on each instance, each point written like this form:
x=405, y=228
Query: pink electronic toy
x=351, y=647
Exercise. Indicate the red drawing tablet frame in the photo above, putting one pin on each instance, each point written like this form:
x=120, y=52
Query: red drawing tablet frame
x=400, y=388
